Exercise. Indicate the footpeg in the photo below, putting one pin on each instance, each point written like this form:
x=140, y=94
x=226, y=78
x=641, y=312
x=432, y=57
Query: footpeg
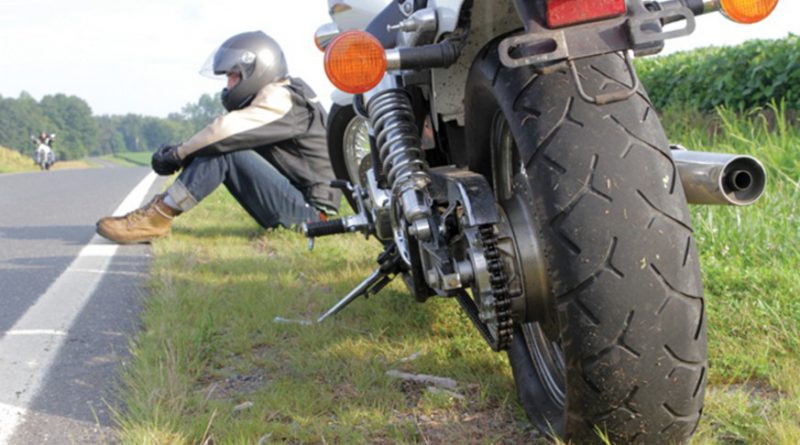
x=360, y=222
x=390, y=264
x=354, y=223
x=324, y=228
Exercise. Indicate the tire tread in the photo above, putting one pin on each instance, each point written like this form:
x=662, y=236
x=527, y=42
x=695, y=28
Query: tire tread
x=612, y=218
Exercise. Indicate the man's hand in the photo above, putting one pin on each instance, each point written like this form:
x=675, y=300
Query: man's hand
x=165, y=161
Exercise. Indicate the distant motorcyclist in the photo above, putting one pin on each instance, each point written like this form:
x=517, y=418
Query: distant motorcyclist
x=47, y=139
x=45, y=157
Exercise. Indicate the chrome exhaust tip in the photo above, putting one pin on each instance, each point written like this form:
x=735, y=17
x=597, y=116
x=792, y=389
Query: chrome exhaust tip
x=719, y=178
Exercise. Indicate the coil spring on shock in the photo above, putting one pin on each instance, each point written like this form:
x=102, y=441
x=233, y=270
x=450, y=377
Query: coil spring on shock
x=398, y=142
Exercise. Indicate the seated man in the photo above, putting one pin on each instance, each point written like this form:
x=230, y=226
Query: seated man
x=269, y=150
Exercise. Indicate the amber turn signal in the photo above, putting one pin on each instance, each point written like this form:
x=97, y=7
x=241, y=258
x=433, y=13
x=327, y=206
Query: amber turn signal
x=355, y=62
x=747, y=11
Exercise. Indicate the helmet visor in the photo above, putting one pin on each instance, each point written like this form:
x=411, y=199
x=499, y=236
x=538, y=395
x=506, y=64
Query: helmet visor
x=225, y=60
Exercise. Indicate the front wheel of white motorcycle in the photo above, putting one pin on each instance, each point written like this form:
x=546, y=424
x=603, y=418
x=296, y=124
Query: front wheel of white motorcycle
x=620, y=346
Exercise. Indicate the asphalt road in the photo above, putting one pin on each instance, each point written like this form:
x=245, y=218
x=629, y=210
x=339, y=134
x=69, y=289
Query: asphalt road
x=69, y=302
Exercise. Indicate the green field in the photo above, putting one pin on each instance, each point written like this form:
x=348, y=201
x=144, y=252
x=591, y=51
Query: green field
x=211, y=365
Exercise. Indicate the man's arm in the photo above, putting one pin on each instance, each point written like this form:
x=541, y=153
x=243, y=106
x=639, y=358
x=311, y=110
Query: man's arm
x=268, y=119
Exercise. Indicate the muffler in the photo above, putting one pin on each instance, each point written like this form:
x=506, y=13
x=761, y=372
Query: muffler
x=719, y=178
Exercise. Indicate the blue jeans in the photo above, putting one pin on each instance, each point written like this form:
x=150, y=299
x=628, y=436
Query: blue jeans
x=260, y=188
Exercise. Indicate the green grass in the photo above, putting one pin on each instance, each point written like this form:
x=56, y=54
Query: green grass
x=209, y=343
x=12, y=161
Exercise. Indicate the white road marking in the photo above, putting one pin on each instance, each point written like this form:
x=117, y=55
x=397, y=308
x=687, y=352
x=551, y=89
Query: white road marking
x=9, y=416
x=99, y=250
x=89, y=271
x=28, y=349
x=35, y=332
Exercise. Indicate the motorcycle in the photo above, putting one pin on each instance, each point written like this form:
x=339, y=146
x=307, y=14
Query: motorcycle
x=505, y=155
x=44, y=157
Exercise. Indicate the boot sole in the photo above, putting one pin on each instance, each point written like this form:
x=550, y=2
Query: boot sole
x=107, y=236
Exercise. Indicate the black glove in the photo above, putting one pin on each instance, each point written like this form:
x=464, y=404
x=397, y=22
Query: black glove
x=165, y=160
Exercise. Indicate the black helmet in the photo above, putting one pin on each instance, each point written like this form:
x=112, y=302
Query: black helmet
x=256, y=57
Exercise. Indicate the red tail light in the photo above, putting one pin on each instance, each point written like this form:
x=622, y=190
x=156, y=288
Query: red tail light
x=571, y=12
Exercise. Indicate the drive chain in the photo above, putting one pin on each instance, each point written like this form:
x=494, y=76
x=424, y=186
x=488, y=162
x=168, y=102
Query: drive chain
x=492, y=319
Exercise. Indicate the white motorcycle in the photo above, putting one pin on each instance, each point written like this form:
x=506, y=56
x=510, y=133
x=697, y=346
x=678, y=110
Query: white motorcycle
x=44, y=157
x=506, y=156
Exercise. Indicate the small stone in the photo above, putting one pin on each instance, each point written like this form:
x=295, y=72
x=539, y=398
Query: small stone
x=442, y=382
x=241, y=407
x=291, y=321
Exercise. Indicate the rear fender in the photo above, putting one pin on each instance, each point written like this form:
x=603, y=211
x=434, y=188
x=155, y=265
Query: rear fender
x=489, y=19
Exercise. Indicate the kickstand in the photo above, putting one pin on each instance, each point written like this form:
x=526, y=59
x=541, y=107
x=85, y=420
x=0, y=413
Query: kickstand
x=390, y=264
x=372, y=285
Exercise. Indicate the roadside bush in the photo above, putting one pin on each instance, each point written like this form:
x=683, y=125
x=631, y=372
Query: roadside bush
x=741, y=77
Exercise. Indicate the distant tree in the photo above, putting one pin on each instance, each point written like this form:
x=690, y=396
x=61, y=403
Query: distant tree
x=20, y=119
x=156, y=132
x=204, y=111
x=77, y=131
x=130, y=127
x=110, y=140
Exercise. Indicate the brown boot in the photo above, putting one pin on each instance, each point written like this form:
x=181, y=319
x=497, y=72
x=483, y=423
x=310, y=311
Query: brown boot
x=151, y=221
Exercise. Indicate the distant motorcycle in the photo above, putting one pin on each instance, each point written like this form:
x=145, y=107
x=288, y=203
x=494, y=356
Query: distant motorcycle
x=505, y=155
x=44, y=157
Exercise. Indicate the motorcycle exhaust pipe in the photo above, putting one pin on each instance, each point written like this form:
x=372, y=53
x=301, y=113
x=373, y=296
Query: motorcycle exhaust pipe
x=719, y=178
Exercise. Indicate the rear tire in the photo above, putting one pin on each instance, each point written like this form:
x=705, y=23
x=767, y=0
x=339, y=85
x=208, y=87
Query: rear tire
x=622, y=348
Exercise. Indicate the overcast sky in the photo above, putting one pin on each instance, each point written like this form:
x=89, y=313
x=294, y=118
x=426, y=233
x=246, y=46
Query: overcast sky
x=143, y=56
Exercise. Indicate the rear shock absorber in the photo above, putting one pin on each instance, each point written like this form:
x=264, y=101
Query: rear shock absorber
x=401, y=156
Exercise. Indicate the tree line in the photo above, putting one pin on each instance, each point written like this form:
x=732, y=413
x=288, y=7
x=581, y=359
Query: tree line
x=80, y=134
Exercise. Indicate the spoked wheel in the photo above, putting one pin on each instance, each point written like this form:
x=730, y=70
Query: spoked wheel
x=348, y=145
x=613, y=338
